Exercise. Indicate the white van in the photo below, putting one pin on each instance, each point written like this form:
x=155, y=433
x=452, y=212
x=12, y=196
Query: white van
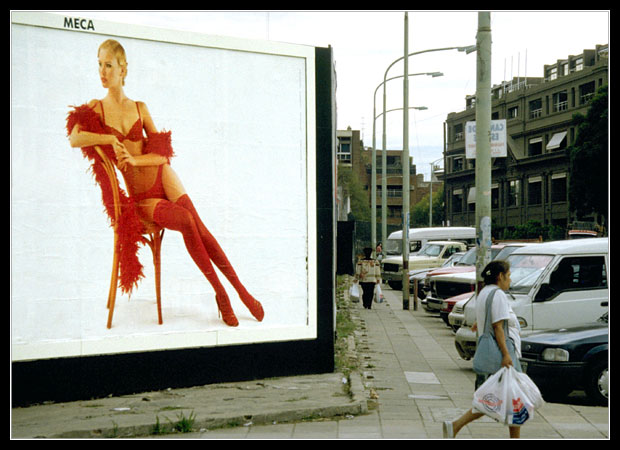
x=420, y=236
x=554, y=285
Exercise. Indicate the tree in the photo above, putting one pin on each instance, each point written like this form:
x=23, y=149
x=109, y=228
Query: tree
x=360, y=209
x=420, y=210
x=588, y=189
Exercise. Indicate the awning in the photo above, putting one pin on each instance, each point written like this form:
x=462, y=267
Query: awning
x=556, y=140
x=471, y=196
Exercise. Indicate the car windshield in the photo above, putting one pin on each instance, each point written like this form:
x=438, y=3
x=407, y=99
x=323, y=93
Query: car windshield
x=468, y=259
x=393, y=247
x=430, y=250
x=525, y=270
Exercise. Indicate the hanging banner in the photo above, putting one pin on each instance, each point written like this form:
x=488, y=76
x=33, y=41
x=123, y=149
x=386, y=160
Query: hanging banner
x=498, y=139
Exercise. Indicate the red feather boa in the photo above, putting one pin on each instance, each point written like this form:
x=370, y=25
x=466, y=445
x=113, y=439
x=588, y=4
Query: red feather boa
x=130, y=227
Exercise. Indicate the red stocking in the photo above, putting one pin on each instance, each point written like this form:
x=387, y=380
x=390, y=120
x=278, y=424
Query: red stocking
x=221, y=261
x=174, y=217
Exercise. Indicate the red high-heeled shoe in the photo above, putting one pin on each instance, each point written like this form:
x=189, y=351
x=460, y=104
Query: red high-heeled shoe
x=225, y=311
x=253, y=305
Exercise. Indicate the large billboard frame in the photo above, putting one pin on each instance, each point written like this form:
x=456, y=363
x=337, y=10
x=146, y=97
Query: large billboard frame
x=67, y=376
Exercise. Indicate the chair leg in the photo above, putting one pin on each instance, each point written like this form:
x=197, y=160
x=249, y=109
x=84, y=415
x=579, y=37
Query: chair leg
x=156, y=248
x=113, y=282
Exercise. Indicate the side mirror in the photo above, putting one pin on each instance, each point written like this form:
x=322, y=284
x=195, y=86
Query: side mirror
x=544, y=293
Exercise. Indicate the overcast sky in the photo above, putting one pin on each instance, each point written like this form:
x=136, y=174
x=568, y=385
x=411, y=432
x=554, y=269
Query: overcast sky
x=365, y=43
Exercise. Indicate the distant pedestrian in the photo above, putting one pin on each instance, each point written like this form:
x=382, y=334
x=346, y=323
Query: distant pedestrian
x=496, y=274
x=368, y=273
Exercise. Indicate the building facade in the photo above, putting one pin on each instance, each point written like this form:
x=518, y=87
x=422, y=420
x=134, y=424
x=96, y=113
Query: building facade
x=531, y=183
x=350, y=152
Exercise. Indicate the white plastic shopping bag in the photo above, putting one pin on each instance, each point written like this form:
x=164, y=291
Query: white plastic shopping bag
x=508, y=396
x=490, y=397
x=530, y=389
x=354, y=292
x=378, y=294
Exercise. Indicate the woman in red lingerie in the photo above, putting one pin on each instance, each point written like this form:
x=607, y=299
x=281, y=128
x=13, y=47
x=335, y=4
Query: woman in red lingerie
x=116, y=124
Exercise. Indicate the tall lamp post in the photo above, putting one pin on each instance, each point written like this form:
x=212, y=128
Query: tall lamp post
x=483, y=144
x=373, y=194
x=467, y=49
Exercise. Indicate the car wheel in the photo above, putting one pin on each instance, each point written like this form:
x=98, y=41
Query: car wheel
x=597, y=383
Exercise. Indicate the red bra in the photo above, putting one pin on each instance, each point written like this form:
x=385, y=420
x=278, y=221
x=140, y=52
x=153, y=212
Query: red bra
x=135, y=132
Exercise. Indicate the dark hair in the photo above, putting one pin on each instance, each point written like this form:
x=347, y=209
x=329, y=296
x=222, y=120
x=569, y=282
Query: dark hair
x=492, y=270
x=367, y=252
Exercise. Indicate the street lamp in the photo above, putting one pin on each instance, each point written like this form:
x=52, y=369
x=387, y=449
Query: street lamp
x=467, y=49
x=373, y=194
x=405, y=157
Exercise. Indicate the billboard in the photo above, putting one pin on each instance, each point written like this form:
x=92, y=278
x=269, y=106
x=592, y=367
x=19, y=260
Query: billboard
x=497, y=139
x=242, y=121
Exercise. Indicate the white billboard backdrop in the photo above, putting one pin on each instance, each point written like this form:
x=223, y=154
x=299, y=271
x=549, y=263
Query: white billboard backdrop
x=243, y=144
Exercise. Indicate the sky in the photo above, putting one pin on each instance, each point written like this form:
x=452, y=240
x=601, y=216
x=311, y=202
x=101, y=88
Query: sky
x=365, y=43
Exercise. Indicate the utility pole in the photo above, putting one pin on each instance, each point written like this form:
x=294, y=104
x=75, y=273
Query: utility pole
x=405, y=161
x=483, y=144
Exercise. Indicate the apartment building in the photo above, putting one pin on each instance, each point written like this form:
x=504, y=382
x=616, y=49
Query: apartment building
x=351, y=153
x=531, y=183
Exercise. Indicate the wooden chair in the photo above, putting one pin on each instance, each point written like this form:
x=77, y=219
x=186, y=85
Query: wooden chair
x=155, y=235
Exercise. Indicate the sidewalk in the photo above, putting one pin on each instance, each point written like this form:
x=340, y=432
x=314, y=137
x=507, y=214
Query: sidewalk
x=411, y=380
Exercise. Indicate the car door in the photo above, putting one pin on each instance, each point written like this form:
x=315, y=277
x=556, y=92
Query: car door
x=576, y=293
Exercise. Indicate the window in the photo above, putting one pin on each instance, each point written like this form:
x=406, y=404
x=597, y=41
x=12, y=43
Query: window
x=344, y=151
x=513, y=112
x=458, y=132
x=579, y=64
x=579, y=272
x=552, y=74
x=560, y=101
x=494, y=196
x=514, y=193
x=471, y=199
x=586, y=92
x=535, y=108
x=534, y=146
x=558, y=187
x=534, y=191
x=457, y=164
x=457, y=200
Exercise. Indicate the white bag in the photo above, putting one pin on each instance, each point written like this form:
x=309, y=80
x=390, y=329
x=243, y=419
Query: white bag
x=378, y=294
x=508, y=396
x=530, y=389
x=354, y=292
x=490, y=397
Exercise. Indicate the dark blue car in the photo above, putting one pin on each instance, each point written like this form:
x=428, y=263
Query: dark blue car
x=560, y=361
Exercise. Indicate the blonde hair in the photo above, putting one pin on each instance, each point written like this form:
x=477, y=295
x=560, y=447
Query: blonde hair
x=118, y=51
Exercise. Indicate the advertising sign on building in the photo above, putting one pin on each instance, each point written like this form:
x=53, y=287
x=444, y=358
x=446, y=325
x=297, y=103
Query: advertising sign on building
x=498, y=139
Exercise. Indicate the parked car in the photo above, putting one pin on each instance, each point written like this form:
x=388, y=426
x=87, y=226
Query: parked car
x=554, y=284
x=419, y=275
x=432, y=254
x=562, y=360
x=444, y=284
x=456, y=318
x=457, y=315
x=449, y=304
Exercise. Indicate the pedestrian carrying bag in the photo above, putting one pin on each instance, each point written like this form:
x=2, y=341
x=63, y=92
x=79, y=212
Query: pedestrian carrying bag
x=354, y=292
x=488, y=356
